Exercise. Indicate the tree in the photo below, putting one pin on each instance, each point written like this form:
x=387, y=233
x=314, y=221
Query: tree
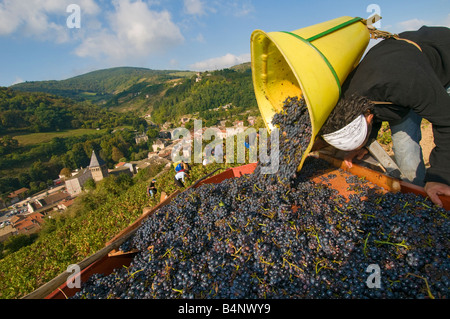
x=116, y=154
x=78, y=156
x=37, y=171
x=66, y=172
x=8, y=144
x=14, y=243
x=152, y=133
x=189, y=125
x=89, y=146
x=90, y=184
x=24, y=178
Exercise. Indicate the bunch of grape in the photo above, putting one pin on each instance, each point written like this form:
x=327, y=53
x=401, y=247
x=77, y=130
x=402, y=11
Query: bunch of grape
x=284, y=236
x=295, y=135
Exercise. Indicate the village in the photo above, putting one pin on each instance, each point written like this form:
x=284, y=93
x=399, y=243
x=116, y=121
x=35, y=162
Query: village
x=25, y=216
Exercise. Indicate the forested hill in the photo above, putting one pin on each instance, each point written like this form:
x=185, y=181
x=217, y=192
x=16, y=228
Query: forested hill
x=41, y=112
x=166, y=94
x=199, y=95
x=102, y=85
x=40, y=134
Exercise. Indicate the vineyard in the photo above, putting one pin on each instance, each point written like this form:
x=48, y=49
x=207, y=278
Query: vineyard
x=257, y=236
x=85, y=233
x=283, y=235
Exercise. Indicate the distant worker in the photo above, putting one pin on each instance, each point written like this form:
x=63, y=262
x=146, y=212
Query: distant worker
x=151, y=189
x=400, y=80
x=179, y=167
x=180, y=178
x=186, y=167
x=208, y=158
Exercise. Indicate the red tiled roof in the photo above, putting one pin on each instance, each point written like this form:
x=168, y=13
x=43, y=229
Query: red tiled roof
x=67, y=203
x=27, y=223
x=18, y=192
x=120, y=164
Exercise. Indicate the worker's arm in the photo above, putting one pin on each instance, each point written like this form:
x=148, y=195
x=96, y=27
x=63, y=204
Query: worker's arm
x=438, y=113
x=434, y=190
x=435, y=107
x=428, y=98
x=358, y=154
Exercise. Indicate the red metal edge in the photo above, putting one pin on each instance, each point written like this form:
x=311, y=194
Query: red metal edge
x=107, y=264
x=229, y=173
x=104, y=266
x=411, y=188
x=388, y=183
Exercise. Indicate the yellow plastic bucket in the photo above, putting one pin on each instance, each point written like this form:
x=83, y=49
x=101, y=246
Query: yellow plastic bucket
x=312, y=62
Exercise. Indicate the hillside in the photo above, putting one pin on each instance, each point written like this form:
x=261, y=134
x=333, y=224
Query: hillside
x=200, y=95
x=50, y=125
x=43, y=112
x=141, y=90
x=102, y=85
x=41, y=133
x=96, y=217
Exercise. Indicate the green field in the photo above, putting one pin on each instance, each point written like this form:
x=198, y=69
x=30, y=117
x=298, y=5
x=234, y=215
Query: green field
x=37, y=138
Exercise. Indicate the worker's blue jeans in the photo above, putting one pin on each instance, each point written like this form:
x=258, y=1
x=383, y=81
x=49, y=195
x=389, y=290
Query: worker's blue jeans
x=408, y=155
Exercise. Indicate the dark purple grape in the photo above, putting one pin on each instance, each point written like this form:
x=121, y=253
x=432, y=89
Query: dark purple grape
x=284, y=236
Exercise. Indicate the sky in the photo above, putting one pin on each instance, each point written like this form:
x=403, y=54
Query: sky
x=58, y=39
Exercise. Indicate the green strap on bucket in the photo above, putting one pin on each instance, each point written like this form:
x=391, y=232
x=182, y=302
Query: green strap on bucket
x=320, y=35
x=338, y=27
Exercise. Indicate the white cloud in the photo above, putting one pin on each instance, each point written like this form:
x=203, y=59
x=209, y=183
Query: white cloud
x=194, y=7
x=37, y=18
x=412, y=24
x=244, y=9
x=200, y=38
x=222, y=62
x=415, y=24
x=236, y=8
x=136, y=31
x=18, y=80
x=447, y=21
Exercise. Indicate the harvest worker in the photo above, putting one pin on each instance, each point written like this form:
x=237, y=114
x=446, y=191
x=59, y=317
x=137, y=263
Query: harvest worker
x=179, y=178
x=151, y=189
x=179, y=166
x=400, y=80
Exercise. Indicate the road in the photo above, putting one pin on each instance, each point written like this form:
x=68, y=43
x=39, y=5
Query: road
x=40, y=195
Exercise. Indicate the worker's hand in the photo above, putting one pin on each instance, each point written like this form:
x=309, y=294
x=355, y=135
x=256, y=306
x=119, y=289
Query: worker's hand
x=358, y=154
x=434, y=189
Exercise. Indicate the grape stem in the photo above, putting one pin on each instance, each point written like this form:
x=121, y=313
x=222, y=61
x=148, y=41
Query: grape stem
x=402, y=244
x=426, y=283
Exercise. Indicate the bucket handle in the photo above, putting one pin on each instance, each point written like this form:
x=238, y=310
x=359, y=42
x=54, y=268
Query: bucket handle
x=333, y=29
x=322, y=34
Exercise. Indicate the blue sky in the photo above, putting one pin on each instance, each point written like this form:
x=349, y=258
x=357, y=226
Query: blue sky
x=37, y=44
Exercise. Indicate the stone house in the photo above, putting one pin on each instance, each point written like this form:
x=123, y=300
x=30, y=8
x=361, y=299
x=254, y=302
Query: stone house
x=47, y=203
x=7, y=231
x=143, y=138
x=98, y=167
x=158, y=145
x=17, y=195
x=28, y=224
x=74, y=185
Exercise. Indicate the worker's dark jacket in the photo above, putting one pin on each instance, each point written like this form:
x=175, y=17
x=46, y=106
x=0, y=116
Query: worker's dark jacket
x=398, y=72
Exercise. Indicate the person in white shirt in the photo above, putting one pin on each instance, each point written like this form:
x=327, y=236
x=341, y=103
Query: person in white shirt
x=180, y=178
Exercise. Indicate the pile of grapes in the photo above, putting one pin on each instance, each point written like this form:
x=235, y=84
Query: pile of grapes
x=284, y=236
